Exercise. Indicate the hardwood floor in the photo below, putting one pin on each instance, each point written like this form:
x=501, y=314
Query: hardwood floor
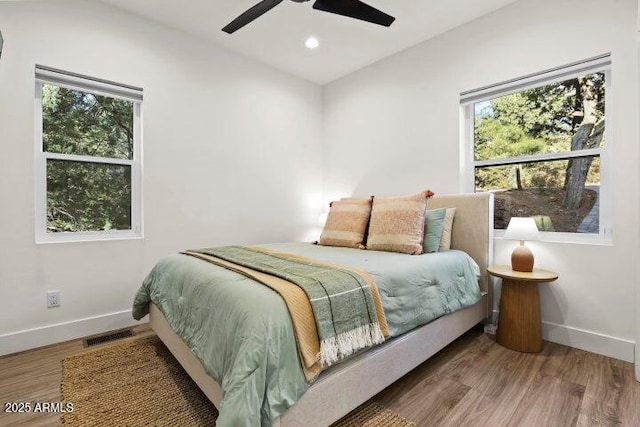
x=35, y=375
x=472, y=382
x=476, y=382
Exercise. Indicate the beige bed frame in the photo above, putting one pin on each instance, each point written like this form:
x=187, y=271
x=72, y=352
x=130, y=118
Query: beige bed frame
x=344, y=387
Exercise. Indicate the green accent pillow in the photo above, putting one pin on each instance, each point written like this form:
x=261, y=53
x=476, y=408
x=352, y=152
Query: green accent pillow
x=433, y=227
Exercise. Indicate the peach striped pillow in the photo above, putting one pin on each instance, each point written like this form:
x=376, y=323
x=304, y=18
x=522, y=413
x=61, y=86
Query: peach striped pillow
x=347, y=223
x=397, y=223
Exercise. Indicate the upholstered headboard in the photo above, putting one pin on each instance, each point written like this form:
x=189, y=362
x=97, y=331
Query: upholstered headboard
x=472, y=229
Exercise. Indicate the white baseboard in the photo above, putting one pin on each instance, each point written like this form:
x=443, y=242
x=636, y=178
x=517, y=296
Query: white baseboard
x=14, y=342
x=52, y=334
x=606, y=345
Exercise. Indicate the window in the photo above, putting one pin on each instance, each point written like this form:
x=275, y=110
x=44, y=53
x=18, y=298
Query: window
x=539, y=143
x=88, y=141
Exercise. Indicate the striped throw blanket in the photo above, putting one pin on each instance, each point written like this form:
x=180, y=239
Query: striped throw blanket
x=343, y=302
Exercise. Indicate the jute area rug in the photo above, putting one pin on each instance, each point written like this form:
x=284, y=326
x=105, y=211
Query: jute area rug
x=139, y=383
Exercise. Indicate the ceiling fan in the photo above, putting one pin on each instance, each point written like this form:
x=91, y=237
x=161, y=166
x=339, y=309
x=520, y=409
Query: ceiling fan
x=351, y=8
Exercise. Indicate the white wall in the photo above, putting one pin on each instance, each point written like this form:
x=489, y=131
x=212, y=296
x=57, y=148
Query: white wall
x=637, y=359
x=393, y=127
x=232, y=153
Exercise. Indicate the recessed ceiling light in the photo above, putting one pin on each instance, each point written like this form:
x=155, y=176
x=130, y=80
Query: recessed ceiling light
x=312, y=43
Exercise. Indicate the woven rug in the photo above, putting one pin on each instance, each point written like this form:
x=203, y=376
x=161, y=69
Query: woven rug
x=139, y=383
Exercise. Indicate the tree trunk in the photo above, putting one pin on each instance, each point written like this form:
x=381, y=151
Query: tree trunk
x=577, y=171
x=578, y=168
x=518, y=178
x=588, y=135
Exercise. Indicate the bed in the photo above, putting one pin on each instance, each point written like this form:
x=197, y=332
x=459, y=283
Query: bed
x=344, y=386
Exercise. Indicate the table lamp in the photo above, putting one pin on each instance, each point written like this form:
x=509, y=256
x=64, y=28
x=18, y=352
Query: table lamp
x=522, y=229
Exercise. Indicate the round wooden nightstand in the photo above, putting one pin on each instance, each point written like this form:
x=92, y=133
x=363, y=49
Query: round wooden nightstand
x=519, y=322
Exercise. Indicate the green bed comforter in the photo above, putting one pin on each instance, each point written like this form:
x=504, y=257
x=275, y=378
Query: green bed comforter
x=242, y=333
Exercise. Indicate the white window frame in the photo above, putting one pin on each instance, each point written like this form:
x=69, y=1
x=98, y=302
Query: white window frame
x=50, y=76
x=468, y=163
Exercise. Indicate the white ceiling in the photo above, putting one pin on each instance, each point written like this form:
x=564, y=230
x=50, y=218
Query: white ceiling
x=277, y=38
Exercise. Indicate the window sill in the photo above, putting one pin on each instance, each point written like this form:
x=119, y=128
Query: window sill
x=571, y=238
x=70, y=237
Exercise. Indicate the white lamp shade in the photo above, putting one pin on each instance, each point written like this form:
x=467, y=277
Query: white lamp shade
x=522, y=229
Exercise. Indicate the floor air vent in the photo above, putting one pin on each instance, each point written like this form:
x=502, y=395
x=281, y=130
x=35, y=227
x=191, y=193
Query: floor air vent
x=112, y=336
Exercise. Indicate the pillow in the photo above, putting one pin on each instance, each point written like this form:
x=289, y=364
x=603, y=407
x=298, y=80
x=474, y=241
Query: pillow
x=397, y=223
x=433, y=227
x=366, y=230
x=346, y=223
x=445, y=241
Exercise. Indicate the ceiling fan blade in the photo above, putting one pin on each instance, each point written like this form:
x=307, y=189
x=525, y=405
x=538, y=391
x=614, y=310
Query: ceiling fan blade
x=355, y=9
x=251, y=14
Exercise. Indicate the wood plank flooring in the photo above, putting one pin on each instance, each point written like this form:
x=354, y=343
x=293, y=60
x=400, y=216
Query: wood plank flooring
x=35, y=375
x=472, y=382
x=476, y=382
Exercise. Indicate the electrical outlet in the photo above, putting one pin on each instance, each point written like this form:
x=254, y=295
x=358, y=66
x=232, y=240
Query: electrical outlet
x=53, y=299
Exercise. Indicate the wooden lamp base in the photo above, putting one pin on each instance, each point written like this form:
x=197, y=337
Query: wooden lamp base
x=522, y=259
